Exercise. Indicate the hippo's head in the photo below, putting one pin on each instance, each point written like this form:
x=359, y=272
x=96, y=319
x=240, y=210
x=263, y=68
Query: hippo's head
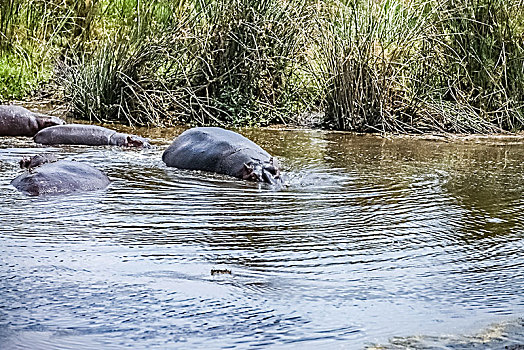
x=137, y=141
x=39, y=159
x=268, y=172
x=45, y=121
x=126, y=140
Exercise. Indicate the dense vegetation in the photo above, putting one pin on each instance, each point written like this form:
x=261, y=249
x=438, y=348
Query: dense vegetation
x=365, y=65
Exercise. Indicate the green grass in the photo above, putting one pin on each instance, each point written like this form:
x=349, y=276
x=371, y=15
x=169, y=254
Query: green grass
x=17, y=78
x=364, y=65
x=30, y=39
x=421, y=66
x=245, y=54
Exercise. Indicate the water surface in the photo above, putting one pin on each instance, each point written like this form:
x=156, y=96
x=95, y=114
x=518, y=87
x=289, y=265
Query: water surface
x=386, y=243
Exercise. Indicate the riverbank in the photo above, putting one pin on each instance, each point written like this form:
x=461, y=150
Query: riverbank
x=58, y=109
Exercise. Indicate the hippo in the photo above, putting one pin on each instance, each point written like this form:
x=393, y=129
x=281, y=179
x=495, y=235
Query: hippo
x=59, y=177
x=19, y=121
x=91, y=135
x=222, y=151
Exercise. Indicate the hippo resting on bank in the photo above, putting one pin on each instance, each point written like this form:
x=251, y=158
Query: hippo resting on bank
x=224, y=152
x=91, y=135
x=47, y=177
x=19, y=121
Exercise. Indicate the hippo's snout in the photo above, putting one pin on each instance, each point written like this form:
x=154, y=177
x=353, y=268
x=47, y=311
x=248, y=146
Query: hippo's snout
x=268, y=177
x=136, y=141
x=267, y=173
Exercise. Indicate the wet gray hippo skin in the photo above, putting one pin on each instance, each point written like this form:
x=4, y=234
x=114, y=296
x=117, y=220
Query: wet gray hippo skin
x=91, y=135
x=19, y=121
x=224, y=152
x=61, y=177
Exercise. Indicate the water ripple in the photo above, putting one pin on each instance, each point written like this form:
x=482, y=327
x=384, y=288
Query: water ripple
x=367, y=236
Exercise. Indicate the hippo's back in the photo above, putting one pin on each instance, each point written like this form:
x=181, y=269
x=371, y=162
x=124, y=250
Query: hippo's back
x=60, y=178
x=17, y=121
x=13, y=111
x=74, y=134
x=213, y=149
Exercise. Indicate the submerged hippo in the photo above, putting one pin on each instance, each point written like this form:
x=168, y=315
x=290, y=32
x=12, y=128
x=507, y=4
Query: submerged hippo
x=92, y=135
x=61, y=177
x=224, y=152
x=19, y=121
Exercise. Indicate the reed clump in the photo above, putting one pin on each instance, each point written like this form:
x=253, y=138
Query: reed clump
x=484, y=58
x=245, y=67
x=422, y=66
x=217, y=62
x=114, y=78
x=364, y=51
x=363, y=65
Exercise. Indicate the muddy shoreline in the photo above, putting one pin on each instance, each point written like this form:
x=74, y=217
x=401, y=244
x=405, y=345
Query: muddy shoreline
x=57, y=108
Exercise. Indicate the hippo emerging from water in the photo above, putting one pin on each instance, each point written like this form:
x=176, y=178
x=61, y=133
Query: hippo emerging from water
x=224, y=152
x=19, y=121
x=49, y=177
x=92, y=135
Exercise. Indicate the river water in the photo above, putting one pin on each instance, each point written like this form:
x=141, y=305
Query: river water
x=374, y=243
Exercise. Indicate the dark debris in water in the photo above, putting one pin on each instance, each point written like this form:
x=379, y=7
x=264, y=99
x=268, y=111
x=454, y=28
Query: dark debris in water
x=220, y=272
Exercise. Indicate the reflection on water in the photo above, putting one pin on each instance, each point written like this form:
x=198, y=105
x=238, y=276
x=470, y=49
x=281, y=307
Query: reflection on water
x=385, y=243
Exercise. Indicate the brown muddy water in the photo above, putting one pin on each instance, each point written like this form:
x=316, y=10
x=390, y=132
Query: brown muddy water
x=374, y=243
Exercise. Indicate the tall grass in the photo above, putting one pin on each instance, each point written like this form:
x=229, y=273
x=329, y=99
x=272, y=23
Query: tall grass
x=245, y=54
x=364, y=48
x=365, y=65
x=106, y=86
x=114, y=78
x=422, y=66
x=31, y=33
x=217, y=62
x=484, y=53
